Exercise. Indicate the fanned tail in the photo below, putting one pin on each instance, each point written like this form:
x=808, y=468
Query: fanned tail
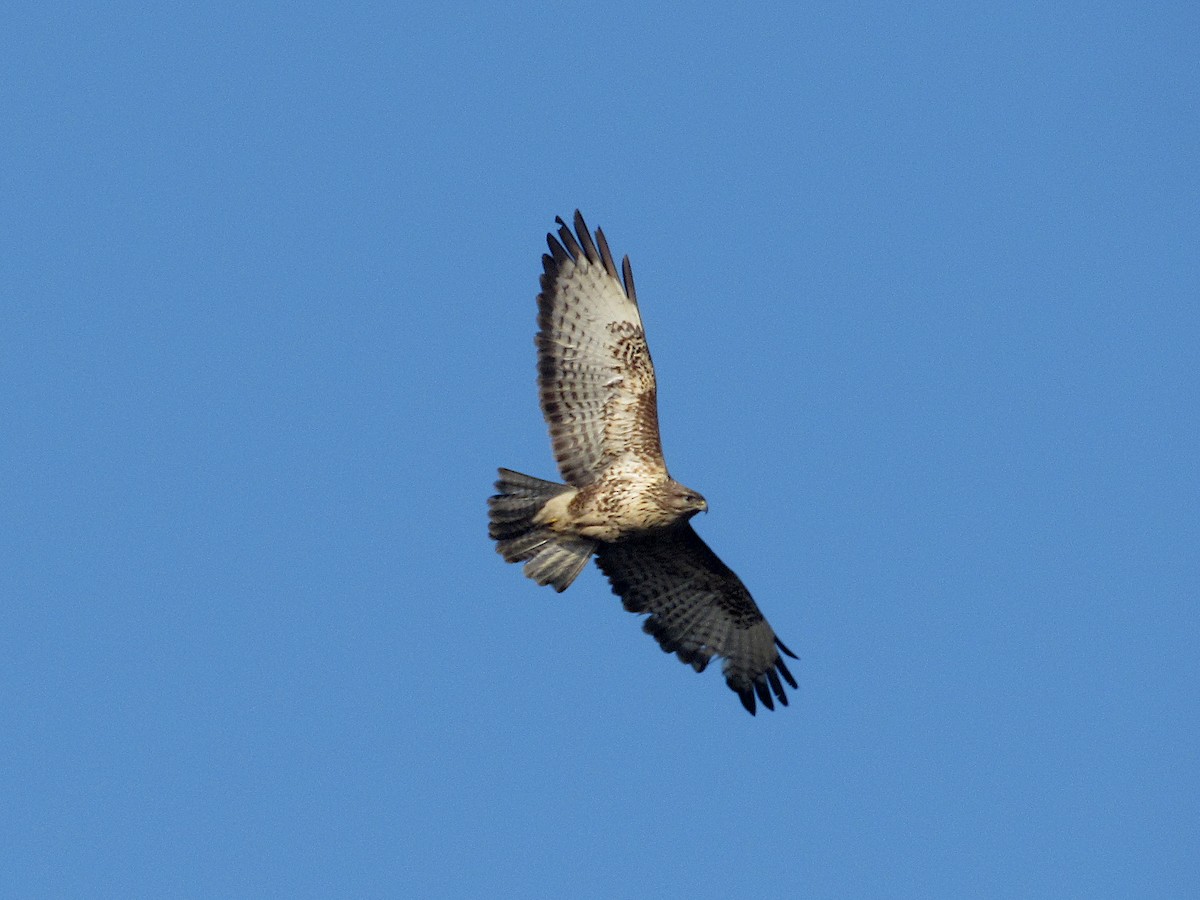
x=550, y=557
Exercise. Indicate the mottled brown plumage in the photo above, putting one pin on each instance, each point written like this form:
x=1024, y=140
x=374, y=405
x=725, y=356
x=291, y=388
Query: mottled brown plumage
x=599, y=397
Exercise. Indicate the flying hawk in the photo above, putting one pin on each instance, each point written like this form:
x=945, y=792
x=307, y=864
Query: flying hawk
x=597, y=389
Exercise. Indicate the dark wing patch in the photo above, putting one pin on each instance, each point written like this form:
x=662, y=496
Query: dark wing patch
x=697, y=608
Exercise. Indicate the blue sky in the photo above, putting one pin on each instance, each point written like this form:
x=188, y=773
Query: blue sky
x=921, y=287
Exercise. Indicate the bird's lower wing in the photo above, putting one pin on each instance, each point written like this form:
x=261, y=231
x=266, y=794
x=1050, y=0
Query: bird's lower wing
x=698, y=608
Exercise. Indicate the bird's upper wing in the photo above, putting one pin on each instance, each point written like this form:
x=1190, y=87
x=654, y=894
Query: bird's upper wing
x=698, y=608
x=595, y=378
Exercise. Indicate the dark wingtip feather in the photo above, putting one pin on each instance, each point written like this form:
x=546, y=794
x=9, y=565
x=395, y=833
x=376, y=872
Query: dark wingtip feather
x=585, y=238
x=783, y=670
x=760, y=687
x=627, y=274
x=568, y=239
x=558, y=255
x=776, y=687
x=746, y=695
x=606, y=256
x=782, y=646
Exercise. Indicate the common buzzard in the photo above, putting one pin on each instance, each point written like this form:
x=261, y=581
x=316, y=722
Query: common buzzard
x=597, y=388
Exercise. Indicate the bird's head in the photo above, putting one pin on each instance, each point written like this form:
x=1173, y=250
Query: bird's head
x=687, y=501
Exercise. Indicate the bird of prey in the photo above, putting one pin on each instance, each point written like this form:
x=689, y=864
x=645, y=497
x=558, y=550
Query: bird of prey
x=597, y=390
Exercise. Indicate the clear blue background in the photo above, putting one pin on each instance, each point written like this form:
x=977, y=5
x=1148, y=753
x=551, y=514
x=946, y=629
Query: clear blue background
x=922, y=289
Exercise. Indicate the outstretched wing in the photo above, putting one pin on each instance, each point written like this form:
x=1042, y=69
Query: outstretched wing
x=595, y=377
x=698, y=608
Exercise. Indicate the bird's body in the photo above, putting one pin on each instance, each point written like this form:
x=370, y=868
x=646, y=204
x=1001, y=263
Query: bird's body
x=607, y=513
x=599, y=396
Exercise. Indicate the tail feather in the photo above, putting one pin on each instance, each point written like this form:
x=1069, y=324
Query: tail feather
x=550, y=557
x=560, y=562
